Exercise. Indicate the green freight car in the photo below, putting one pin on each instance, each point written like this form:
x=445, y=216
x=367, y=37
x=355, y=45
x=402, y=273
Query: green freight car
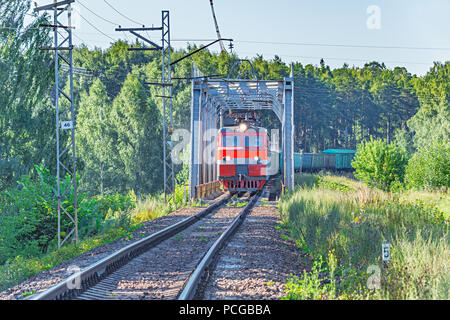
x=322, y=161
x=330, y=159
x=343, y=158
x=301, y=160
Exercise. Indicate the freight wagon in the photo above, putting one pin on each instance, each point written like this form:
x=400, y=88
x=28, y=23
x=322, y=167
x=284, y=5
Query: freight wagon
x=330, y=159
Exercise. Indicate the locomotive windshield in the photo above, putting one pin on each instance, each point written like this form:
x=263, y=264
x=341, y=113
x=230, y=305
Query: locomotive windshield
x=249, y=141
x=253, y=141
x=231, y=141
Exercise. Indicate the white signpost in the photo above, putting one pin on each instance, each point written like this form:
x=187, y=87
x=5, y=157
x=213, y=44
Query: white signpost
x=66, y=125
x=386, y=251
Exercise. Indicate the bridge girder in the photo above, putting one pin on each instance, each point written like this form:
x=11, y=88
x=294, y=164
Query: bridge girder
x=211, y=97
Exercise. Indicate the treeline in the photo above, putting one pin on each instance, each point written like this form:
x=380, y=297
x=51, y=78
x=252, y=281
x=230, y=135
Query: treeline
x=119, y=118
x=345, y=106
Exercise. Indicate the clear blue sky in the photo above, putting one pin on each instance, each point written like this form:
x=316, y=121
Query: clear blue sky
x=402, y=23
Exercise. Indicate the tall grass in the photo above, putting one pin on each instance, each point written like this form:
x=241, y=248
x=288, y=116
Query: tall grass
x=154, y=206
x=352, y=224
x=150, y=208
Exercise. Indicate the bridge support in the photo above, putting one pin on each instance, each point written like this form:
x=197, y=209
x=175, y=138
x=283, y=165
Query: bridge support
x=288, y=132
x=194, y=168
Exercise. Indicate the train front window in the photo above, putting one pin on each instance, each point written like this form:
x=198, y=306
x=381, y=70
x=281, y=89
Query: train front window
x=253, y=141
x=231, y=141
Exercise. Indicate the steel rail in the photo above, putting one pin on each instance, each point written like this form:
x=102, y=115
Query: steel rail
x=96, y=272
x=190, y=289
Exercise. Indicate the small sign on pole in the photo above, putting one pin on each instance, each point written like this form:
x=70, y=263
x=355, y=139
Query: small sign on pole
x=386, y=251
x=66, y=125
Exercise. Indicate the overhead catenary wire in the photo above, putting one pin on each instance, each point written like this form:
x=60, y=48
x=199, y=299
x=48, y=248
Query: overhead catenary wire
x=341, y=45
x=126, y=17
x=97, y=15
x=322, y=92
x=93, y=26
x=305, y=57
x=335, y=45
x=171, y=40
x=138, y=23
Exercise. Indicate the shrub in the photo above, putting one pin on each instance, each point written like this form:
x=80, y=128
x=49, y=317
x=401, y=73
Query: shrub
x=429, y=167
x=318, y=284
x=28, y=215
x=93, y=212
x=181, y=194
x=28, y=219
x=379, y=164
x=306, y=288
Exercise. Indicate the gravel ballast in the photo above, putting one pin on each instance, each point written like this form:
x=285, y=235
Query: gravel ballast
x=255, y=263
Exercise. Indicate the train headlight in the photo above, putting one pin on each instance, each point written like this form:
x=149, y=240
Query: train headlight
x=227, y=158
x=257, y=158
x=243, y=126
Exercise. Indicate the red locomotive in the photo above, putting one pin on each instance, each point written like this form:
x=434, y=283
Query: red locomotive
x=242, y=157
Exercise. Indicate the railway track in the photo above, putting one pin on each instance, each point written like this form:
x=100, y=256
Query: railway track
x=169, y=264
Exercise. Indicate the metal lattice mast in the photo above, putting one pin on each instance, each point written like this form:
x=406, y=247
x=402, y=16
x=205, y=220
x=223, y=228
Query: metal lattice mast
x=166, y=84
x=169, y=177
x=65, y=118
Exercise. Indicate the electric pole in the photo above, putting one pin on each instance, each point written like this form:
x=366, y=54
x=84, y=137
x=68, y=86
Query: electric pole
x=222, y=48
x=65, y=119
x=166, y=84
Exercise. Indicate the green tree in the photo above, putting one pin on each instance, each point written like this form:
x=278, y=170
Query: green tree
x=432, y=120
x=348, y=92
x=94, y=139
x=26, y=119
x=379, y=164
x=28, y=219
x=403, y=139
x=136, y=130
x=429, y=167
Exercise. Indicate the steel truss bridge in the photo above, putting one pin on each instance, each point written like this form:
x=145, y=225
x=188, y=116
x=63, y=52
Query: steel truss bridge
x=212, y=97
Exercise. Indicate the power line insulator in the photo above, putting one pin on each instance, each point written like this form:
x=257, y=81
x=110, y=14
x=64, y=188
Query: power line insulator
x=231, y=46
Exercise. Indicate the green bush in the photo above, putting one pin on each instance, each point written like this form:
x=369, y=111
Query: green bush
x=318, y=284
x=97, y=212
x=28, y=219
x=429, y=167
x=28, y=215
x=181, y=194
x=379, y=164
